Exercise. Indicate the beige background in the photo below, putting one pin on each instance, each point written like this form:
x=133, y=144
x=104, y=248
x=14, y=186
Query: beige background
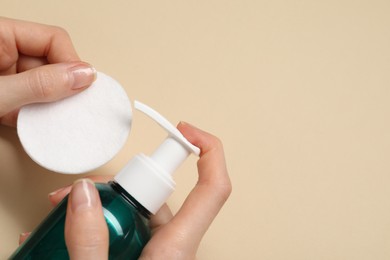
x=297, y=90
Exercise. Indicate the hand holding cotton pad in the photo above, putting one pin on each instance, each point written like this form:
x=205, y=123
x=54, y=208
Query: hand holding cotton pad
x=79, y=133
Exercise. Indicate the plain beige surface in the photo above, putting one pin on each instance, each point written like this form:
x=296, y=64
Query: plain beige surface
x=299, y=91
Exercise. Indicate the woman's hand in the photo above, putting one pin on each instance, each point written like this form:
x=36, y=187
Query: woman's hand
x=173, y=237
x=38, y=63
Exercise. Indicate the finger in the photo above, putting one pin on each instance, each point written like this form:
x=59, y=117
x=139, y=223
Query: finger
x=24, y=63
x=8, y=51
x=28, y=62
x=40, y=40
x=86, y=232
x=10, y=119
x=9, y=70
x=23, y=237
x=207, y=197
x=57, y=196
x=44, y=84
x=33, y=39
x=213, y=186
x=162, y=217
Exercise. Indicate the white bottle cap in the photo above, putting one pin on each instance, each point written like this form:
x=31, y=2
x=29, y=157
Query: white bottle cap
x=149, y=179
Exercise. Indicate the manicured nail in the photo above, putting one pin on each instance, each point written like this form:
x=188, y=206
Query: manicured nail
x=83, y=195
x=51, y=194
x=183, y=123
x=23, y=236
x=83, y=75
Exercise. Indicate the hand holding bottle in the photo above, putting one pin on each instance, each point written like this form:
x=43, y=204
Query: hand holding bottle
x=173, y=237
x=38, y=63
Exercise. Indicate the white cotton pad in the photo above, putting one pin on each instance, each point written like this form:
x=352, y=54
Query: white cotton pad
x=79, y=133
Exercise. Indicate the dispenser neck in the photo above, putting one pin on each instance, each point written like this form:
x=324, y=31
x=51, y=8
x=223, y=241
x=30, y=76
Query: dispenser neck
x=170, y=155
x=141, y=209
x=149, y=179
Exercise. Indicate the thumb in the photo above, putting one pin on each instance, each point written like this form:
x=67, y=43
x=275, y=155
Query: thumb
x=86, y=232
x=44, y=84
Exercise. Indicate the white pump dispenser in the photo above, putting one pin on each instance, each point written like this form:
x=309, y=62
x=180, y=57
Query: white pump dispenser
x=149, y=179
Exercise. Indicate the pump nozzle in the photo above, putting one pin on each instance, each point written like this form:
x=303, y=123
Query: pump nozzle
x=175, y=149
x=164, y=123
x=148, y=179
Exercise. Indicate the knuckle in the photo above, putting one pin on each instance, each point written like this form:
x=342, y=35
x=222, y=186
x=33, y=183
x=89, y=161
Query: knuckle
x=41, y=84
x=90, y=241
x=225, y=189
x=6, y=59
x=220, y=188
x=8, y=55
x=218, y=143
x=212, y=142
x=88, y=237
x=59, y=31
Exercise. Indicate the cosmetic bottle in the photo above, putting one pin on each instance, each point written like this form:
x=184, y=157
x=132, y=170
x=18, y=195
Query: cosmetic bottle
x=137, y=192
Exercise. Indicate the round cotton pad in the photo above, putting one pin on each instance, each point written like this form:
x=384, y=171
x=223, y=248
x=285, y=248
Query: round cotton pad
x=79, y=133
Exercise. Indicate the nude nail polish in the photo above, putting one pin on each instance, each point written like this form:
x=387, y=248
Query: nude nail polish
x=83, y=75
x=83, y=195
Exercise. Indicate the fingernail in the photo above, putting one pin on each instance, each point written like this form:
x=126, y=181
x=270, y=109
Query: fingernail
x=57, y=194
x=183, y=123
x=24, y=234
x=83, y=75
x=83, y=195
x=51, y=194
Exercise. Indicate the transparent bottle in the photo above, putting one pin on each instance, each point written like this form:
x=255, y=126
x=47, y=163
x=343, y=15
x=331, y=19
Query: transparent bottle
x=138, y=191
x=127, y=221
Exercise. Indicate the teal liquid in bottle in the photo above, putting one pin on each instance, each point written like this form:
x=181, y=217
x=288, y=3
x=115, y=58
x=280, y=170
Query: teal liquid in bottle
x=138, y=190
x=127, y=221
